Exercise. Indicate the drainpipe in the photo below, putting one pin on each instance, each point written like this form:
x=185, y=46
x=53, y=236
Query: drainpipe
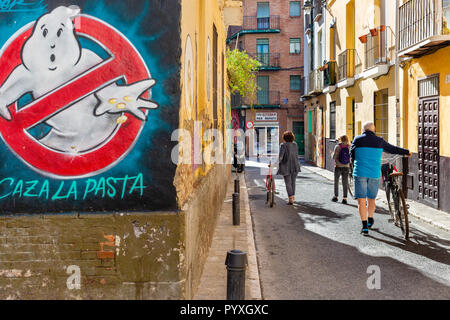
x=397, y=65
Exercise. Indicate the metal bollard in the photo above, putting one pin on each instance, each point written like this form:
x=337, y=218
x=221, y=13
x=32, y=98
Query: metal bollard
x=236, y=210
x=236, y=263
x=236, y=186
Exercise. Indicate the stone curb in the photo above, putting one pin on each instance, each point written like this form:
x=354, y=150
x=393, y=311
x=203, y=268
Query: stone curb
x=253, y=276
x=427, y=214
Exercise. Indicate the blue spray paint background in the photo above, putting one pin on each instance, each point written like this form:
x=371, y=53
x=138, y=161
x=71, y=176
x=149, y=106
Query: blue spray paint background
x=146, y=156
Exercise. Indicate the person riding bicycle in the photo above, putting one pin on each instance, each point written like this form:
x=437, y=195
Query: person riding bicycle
x=366, y=152
x=341, y=156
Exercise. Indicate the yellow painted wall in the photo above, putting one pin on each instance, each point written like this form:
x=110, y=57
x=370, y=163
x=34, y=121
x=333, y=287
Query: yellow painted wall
x=367, y=15
x=436, y=63
x=198, y=18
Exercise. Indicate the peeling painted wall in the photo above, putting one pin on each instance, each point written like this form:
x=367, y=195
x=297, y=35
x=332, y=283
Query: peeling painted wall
x=141, y=227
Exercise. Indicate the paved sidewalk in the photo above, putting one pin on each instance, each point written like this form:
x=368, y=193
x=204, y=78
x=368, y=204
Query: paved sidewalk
x=420, y=211
x=213, y=283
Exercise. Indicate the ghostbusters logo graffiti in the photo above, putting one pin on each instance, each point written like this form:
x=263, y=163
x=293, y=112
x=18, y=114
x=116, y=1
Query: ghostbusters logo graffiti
x=95, y=108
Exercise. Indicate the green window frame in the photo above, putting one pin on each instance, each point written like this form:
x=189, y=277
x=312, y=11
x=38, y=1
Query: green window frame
x=295, y=83
x=294, y=9
x=294, y=45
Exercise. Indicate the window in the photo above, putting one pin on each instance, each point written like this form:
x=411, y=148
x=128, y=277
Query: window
x=333, y=120
x=263, y=15
x=263, y=10
x=295, y=83
x=332, y=44
x=294, y=46
x=294, y=9
x=381, y=113
x=262, y=51
x=263, y=93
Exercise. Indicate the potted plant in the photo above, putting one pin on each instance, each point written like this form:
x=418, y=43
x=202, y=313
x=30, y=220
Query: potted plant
x=363, y=38
x=373, y=32
x=325, y=66
x=382, y=28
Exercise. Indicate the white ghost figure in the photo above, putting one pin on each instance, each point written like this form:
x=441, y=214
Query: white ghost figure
x=51, y=57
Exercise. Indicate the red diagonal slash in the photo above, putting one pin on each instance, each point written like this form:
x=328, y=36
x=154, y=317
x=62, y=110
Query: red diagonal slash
x=125, y=62
x=53, y=102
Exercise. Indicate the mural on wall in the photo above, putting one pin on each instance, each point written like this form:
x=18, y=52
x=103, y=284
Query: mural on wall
x=82, y=119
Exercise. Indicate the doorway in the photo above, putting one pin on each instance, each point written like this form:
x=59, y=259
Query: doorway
x=298, y=128
x=428, y=140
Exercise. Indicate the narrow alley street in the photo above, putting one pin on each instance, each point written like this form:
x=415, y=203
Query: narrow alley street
x=313, y=249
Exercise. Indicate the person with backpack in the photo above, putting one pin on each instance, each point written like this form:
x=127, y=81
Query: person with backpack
x=341, y=156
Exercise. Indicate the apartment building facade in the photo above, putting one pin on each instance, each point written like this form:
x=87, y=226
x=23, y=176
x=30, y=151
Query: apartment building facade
x=424, y=48
x=381, y=61
x=272, y=33
x=351, y=73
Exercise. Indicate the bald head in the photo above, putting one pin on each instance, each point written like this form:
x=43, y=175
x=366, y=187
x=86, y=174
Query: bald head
x=369, y=126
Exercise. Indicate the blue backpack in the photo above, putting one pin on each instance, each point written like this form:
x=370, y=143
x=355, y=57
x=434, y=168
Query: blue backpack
x=344, y=154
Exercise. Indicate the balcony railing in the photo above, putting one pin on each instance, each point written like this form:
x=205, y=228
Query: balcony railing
x=266, y=98
x=346, y=64
x=315, y=83
x=263, y=98
x=261, y=24
x=268, y=60
x=376, y=48
x=420, y=20
x=330, y=74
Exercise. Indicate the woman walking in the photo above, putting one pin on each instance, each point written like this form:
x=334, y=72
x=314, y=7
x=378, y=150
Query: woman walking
x=289, y=166
x=341, y=156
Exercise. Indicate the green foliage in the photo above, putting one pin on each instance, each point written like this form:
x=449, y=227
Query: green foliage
x=242, y=73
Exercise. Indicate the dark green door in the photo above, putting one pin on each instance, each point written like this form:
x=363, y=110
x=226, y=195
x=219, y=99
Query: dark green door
x=299, y=132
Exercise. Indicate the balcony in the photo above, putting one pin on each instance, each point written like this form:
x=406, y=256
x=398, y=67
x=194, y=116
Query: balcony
x=423, y=27
x=315, y=82
x=264, y=99
x=330, y=77
x=317, y=10
x=346, y=68
x=253, y=24
x=378, y=52
x=269, y=61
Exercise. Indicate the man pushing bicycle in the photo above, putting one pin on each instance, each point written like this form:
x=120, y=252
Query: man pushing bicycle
x=366, y=152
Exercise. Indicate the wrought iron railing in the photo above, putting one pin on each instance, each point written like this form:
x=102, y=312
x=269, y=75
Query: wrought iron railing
x=346, y=64
x=418, y=21
x=266, y=23
x=330, y=74
x=263, y=98
x=268, y=60
x=268, y=98
x=376, y=48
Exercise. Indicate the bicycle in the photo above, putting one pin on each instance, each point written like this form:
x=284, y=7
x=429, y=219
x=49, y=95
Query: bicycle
x=270, y=186
x=351, y=182
x=395, y=197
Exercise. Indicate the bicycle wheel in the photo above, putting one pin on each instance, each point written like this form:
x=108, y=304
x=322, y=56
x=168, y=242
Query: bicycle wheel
x=272, y=192
x=403, y=214
x=390, y=201
x=350, y=184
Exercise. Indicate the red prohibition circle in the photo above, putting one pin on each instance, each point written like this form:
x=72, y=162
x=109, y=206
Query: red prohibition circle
x=125, y=62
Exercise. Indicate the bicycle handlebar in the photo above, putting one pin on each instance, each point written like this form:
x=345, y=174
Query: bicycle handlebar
x=394, y=158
